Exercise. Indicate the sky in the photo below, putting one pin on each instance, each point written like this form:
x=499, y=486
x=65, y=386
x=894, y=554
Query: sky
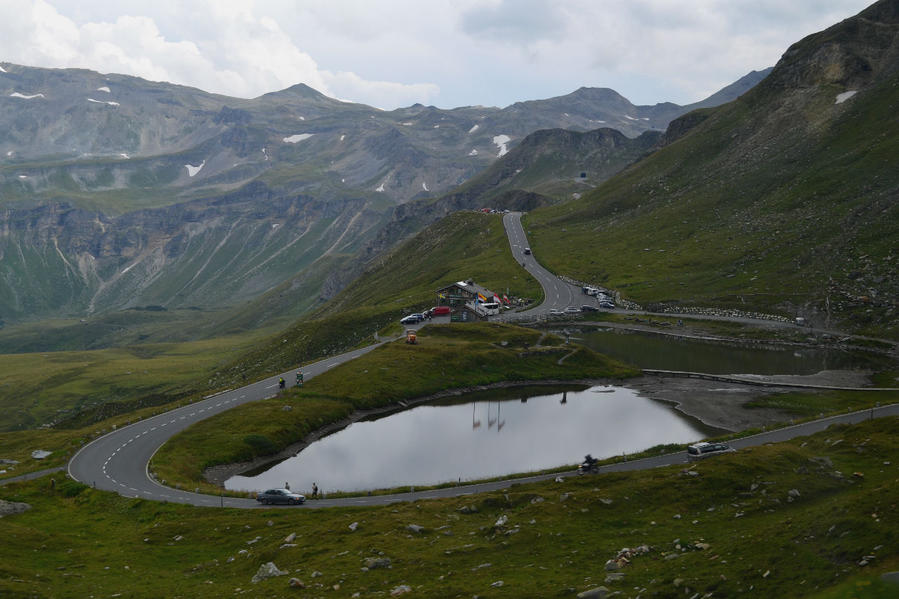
x=393, y=53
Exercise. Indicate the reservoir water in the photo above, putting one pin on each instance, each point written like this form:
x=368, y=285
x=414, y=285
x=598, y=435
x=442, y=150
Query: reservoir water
x=665, y=352
x=478, y=437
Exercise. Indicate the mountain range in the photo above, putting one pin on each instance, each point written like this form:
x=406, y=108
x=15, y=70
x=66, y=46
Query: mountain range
x=119, y=193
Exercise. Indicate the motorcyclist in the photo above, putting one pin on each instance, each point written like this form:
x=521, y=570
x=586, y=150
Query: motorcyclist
x=588, y=465
x=281, y=382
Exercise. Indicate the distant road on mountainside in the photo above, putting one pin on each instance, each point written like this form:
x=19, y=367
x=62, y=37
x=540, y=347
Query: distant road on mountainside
x=557, y=294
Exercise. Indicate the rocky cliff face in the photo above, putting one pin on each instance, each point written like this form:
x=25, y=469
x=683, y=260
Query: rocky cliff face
x=203, y=253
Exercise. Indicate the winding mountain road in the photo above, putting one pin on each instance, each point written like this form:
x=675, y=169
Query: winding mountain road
x=119, y=460
x=557, y=294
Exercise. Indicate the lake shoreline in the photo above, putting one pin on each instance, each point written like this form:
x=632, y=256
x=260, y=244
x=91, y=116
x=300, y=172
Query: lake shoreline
x=713, y=403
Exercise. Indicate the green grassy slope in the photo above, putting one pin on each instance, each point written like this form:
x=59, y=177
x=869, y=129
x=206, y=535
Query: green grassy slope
x=465, y=245
x=783, y=200
x=730, y=529
x=71, y=389
x=89, y=385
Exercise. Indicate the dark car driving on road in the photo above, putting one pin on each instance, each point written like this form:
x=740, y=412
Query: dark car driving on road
x=280, y=496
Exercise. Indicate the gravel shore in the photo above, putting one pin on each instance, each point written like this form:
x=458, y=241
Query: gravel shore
x=720, y=404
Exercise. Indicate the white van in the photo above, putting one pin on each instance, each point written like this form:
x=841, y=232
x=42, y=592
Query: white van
x=490, y=308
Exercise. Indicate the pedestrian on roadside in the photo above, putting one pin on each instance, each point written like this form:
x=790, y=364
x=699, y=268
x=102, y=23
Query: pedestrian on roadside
x=314, y=490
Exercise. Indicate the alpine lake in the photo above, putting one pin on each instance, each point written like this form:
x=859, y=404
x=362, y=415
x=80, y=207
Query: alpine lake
x=490, y=434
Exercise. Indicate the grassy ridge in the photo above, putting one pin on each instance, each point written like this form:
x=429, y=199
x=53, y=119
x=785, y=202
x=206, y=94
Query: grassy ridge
x=446, y=357
x=731, y=529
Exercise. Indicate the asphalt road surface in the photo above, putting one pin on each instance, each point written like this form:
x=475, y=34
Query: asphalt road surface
x=557, y=293
x=118, y=461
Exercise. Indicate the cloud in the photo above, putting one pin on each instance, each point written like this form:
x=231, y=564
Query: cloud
x=227, y=49
x=381, y=94
x=518, y=21
x=393, y=53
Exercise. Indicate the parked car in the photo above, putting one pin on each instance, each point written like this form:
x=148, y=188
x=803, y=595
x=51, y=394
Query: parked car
x=556, y=312
x=411, y=319
x=607, y=305
x=572, y=310
x=440, y=310
x=698, y=451
x=272, y=496
x=589, y=308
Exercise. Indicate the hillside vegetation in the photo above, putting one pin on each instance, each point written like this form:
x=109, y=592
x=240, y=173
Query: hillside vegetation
x=465, y=245
x=75, y=388
x=783, y=520
x=783, y=200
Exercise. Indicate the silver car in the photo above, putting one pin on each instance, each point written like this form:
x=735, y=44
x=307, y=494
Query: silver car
x=272, y=496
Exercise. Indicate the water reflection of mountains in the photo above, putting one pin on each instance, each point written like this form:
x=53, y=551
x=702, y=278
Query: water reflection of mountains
x=501, y=394
x=516, y=429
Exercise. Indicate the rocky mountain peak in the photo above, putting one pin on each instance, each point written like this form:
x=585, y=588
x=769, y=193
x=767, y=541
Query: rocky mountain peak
x=300, y=90
x=850, y=54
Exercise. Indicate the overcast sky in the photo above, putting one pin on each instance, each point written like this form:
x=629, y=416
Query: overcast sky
x=391, y=53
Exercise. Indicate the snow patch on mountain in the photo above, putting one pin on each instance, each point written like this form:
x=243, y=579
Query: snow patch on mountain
x=845, y=96
x=24, y=96
x=298, y=137
x=113, y=104
x=380, y=188
x=342, y=137
x=474, y=152
x=193, y=170
x=501, y=141
x=104, y=89
x=475, y=128
x=424, y=186
x=2, y=70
